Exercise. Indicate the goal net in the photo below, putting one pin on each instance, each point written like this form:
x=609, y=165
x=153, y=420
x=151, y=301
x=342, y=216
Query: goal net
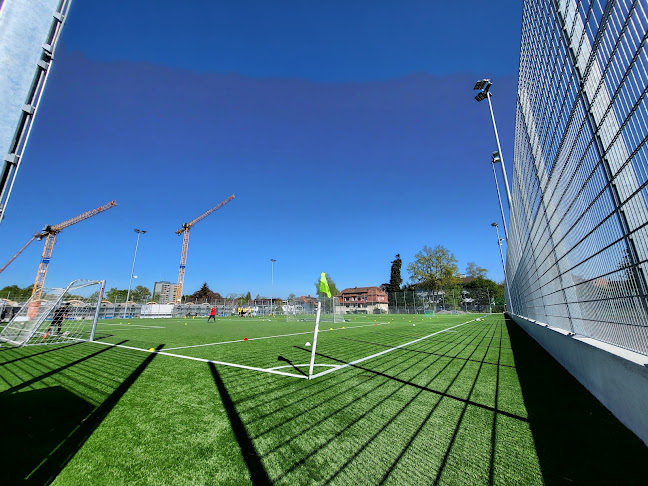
x=306, y=310
x=57, y=315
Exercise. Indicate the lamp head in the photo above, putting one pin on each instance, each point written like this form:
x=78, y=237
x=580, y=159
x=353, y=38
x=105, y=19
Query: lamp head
x=494, y=225
x=483, y=85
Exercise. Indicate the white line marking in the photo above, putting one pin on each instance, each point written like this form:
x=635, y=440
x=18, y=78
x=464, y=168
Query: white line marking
x=233, y=365
x=339, y=367
x=134, y=325
x=271, y=337
x=296, y=366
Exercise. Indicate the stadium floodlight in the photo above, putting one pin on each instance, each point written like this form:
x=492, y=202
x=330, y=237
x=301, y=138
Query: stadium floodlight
x=130, y=282
x=272, y=262
x=495, y=158
x=499, y=242
x=484, y=86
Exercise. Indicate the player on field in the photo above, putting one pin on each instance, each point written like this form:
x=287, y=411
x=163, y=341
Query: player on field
x=212, y=314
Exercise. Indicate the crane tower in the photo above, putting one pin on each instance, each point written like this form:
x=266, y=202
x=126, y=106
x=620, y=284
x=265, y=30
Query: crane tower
x=185, y=245
x=49, y=233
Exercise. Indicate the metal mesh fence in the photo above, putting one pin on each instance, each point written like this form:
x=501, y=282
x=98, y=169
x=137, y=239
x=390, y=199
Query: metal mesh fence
x=452, y=300
x=577, y=249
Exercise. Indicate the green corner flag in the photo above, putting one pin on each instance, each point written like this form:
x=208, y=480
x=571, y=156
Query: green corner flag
x=324, y=288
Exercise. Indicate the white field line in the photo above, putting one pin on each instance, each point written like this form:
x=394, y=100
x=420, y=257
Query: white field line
x=224, y=363
x=134, y=325
x=386, y=351
x=123, y=329
x=272, y=337
x=298, y=365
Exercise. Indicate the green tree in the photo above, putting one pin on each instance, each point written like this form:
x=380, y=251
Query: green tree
x=434, y=268
x=15, y=293
x=204, y=294
x=395, y=279
x=331, y=284
x=292, y=297
x=140, y=294
x=475, y=271
x=116, y=295
x=156, y=298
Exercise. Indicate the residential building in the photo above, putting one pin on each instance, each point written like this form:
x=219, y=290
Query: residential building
x=363, y=300
x=166, y=292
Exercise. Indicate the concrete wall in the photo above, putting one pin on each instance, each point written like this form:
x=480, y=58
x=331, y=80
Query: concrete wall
x=618, y=378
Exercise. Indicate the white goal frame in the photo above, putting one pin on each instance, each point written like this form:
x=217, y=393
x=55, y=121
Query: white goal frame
x=50, y=310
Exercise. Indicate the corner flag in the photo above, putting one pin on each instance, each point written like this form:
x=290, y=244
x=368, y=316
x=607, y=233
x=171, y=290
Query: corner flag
x=324, y=288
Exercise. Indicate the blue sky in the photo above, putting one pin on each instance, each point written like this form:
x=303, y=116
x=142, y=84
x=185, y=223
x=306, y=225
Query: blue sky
x=347, y=130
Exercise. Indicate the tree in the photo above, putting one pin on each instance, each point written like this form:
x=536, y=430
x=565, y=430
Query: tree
x=156, y=298
x=15, y=293
x=140, y=294
x=332, y=287
x=395, y=279
x=205, y=294
x=475, y=271
x=434, y=269
x=292, y=297
x=116, y=295
x=484, y=291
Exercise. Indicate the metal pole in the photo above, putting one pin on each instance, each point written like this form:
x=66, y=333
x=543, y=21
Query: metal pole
x=499, y=197
x=312, y=361
x=508, y=290
x=499, y=149
x=272, y=260
x=130, y=282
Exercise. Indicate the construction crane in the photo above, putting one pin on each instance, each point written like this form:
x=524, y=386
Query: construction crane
x=185, y=245
x=49, y=233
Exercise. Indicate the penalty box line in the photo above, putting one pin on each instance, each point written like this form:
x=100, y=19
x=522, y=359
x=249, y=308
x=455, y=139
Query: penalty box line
x=202, y=360
x=272, y=337
x=387, y=351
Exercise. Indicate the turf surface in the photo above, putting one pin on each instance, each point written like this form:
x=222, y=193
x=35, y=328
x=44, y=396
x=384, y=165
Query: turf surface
x=480, y=403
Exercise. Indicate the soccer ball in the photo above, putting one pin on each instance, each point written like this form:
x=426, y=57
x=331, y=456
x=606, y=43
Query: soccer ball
x=66, y=333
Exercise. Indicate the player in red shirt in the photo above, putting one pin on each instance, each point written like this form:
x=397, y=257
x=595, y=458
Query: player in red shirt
x=212, y=314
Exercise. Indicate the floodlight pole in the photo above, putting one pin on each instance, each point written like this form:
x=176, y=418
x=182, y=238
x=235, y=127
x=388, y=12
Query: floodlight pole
x=495, y=158
x=130, y=282
x=499, y=149
x=272, y=261
x=499, y=242
x=483, y=86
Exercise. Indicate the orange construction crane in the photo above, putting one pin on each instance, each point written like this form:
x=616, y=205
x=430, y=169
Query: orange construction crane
x=185, y=246
x=49, y=233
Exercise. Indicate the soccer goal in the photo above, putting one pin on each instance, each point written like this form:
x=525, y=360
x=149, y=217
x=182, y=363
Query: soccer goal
x=299, y=310
x=57, y=315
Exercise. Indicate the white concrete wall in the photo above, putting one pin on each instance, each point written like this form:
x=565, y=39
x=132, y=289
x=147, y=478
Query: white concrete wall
x=618, y=378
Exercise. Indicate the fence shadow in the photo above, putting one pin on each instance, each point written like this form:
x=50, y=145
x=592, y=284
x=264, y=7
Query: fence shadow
x=55, y=406
x=578, y=441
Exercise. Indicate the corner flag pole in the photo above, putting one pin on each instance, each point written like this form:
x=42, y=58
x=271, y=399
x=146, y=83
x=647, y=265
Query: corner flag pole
x=312, y=361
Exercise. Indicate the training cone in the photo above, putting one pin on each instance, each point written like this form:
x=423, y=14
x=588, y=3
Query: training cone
x=343, y=327
x=330, y=328
x=307, y=344
x=151, y=350
x=244, y=339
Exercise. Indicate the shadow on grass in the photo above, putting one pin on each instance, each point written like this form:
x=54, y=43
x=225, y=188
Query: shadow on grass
x=578, y=441
x=252, y=460
x=45, y=427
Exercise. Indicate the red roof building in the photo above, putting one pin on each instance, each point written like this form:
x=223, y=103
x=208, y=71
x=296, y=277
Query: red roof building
x=363, y=300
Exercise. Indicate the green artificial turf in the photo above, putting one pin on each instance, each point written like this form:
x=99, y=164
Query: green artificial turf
x=478, y=404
